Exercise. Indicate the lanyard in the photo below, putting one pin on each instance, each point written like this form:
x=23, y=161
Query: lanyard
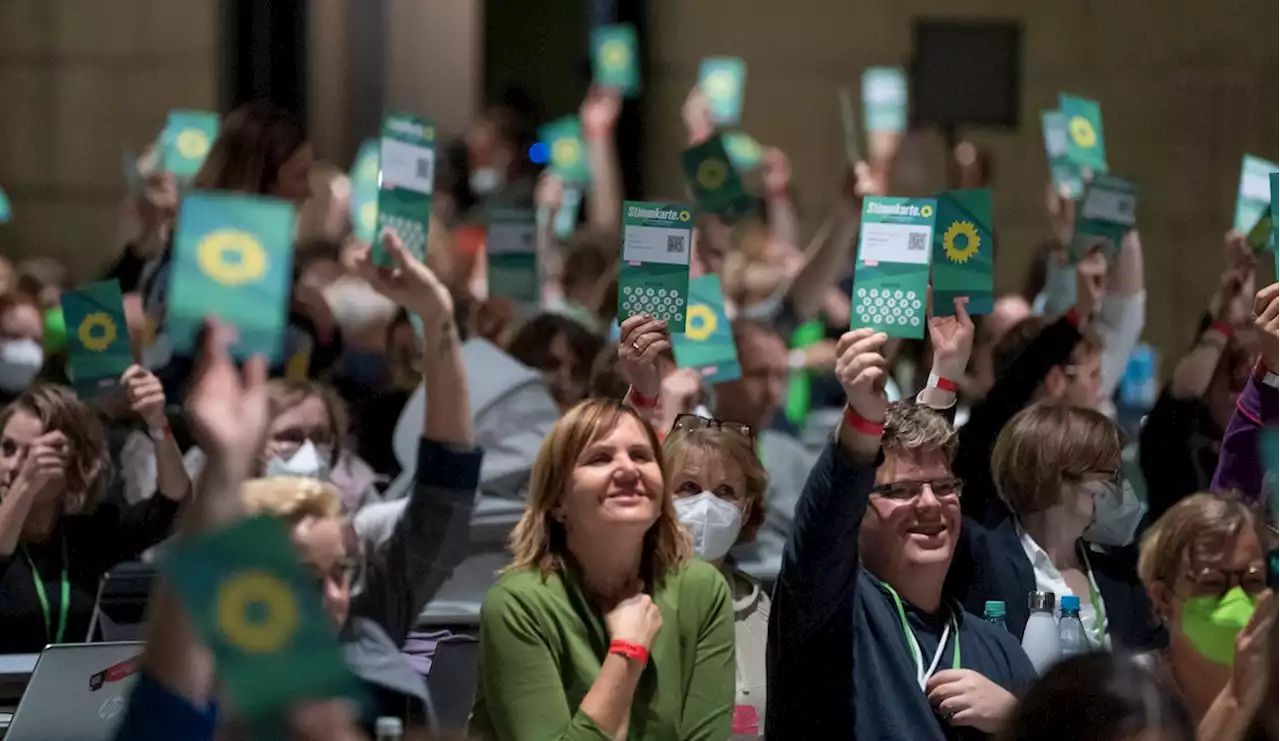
x=1095, y=598
x=64, y=599
x=922, y=676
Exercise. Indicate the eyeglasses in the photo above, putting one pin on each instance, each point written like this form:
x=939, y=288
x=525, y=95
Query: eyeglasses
x=1220, y=581
x=689, y=422
x=909, y=491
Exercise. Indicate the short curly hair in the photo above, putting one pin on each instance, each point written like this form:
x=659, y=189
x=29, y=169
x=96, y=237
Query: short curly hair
x=913, y=429
x=89, y=468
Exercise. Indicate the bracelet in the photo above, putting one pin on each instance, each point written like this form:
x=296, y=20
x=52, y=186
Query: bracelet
x=942, y=383
x=1265, y=376
x=865, y=426
x=1222, y=328
x=1073, y=316
x=796, y=359
x=640, y=401
x=160, y=434
x=628, y=650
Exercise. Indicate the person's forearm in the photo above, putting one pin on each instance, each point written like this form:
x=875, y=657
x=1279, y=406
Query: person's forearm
x=608, y=702
x=172, y=480
x=1225, y=720
x=1193, y=373
x=548, y=258
x=605, y=204
x=448, y=414
x=784, y=224
x=14, y=508
x=830, y=258
x=1128, y=277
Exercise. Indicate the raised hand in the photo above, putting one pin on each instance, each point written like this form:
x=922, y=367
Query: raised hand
x=777, y=172
x=43, y=470
x=952, y=341
x=1061, y=210
x=643, y=340
x=1266, y=317
x=228, y=407
x=861, y=370
x=696, y=113
x=549, y=193
x=599, y=111
x=1091, y=282
x=145, y=395
x=159, y=204
x=409, y=282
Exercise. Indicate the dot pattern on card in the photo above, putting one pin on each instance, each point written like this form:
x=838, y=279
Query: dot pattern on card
x=410, y=232
x=659, y=303
x=888, y=306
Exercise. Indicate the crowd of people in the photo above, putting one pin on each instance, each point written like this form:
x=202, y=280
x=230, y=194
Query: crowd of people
x=927, y=506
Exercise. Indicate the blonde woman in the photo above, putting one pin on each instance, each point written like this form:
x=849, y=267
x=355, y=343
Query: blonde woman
x=604, y=627
x=719, y=484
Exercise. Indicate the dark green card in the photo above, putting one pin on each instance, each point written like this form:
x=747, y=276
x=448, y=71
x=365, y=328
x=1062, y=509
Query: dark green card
x=407, y=175
x=1106, y=214
x=98, y=346
x=963, y=261
x=707, y=343
x=6, y=211
x=614, y=59
x=259, y=612
x=715, y=183
x=233, y=259
x=1085, y=146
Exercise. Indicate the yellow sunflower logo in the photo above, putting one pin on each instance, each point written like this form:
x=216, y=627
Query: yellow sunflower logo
x=718, y=85
x=1082, y=132
x=615, y=54
x=97, y=332
x=193, y=144
x=369, y=216
x=701, y=322
x=685, y=215
x=566, y=151
x=232, y=258
x=712, y=174
x=960, y=254
x=926, y=211
x=257, y=612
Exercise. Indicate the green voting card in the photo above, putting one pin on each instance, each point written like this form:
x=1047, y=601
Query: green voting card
x=963, y=261
x=232, y=258
x=745, y=153
x=891, y=278
x=98, y=346
x=1106, y=213
x=884, y=100
x=6, y=210
x=723, y=80
x=407, y=161
x=1251, y=216
x=568, y=153
x=1275, y=218
x=258, y=609
x=511, y=245
x=566, y=221
x=1085, y=147
x=716, y=185
x=1064, y=172
x=364, y=192
x=849, y=124
x=615, y=62
x=187, y=138
x=656, y=241
x=707, y=342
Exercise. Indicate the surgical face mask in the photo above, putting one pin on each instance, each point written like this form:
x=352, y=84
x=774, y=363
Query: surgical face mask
x=310, y=461
x=356, y=305
x=20, y=361
x=1117, y=512
x=713, y=523
x=485, y=181
x=1211, y=624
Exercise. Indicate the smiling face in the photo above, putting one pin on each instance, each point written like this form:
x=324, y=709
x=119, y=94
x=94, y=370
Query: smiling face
x=900, y=532
x=616, y=483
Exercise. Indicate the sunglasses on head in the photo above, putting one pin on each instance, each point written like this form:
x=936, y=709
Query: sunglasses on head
x=689, y=422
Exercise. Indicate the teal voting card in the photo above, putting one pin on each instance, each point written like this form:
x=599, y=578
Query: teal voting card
x=745, y=153
x=6, y=210
x=233, y=259
x=963, y=260
x=1064, y=172
x=407, y=165
x=884, y=100
x=511, y=245
x=891, y=278
x=1275, y=218
x=1252, y=216
x=188, y=136
x=849, y=125
x=98, y=347
x=615, y=61
x=723, y=80
x=364, y=192
x=1106, y=213
x=716, y=185
x=707, y=343
x=566, y=150
x=1085, y=146
x=657, y=239
x=566, y=221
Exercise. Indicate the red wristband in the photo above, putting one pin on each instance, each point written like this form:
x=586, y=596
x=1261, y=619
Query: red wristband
x=866, y=427
x=628, y=650
x=640, y=401
x=1073, y=316
x=1222, y=328
x=780, y=194
x=942, y=383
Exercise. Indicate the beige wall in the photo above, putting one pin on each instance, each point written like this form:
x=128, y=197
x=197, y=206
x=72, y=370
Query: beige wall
x=1186, y=89
x=79, y=79
x=434, y=53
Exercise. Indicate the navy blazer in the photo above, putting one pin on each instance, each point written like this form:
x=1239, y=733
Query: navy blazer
x=989, y=564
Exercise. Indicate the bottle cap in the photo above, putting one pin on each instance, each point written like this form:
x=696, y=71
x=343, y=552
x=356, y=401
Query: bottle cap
x=388, y=726
x=993, y=608
x=1070, y=602
x=1041, y=601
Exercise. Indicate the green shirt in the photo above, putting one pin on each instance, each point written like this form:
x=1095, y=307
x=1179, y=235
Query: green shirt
x=542, y=643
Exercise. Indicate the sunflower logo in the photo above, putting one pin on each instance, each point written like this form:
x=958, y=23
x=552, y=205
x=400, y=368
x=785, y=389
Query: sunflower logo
x=960, y=254
x=1082, y=132
x=712, y=174
x=701, y=322
x=718, y=85
x=685, y=215
x=926, y=211
x=566, y=151
x=232, y=258
x=615, y=54
x=369, y=216
x=257, y=612
x=193, y=144
x=97, y=332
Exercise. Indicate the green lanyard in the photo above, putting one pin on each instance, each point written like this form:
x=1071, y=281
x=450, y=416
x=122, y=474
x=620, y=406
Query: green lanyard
x=1100, y=614
x=922, y=675
x=64, y=601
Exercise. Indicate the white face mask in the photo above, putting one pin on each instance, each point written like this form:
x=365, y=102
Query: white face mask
x=713, y=523
x=20, y=361
x=310, y=462
x=485, y=181
x=1117, y=512
x=356, y=305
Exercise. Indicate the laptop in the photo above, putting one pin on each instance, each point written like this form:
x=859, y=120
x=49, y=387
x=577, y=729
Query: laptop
x=77, y=691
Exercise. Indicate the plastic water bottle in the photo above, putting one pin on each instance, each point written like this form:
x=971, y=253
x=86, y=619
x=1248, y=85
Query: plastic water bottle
x=388, y=728
x=1072, y=640
x=1040, y=639
x=993, y=612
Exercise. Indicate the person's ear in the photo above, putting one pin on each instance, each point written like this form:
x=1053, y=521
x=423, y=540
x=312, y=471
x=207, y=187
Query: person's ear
x=1055, y=382
x=557, y=514
x=1161, y=597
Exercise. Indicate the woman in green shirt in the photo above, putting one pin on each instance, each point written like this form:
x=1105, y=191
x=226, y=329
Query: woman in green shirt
x=604, y=627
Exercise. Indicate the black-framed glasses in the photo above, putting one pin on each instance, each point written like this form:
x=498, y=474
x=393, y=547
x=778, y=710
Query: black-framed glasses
x=1209, y=580
x=909, y=491
x=690, y=422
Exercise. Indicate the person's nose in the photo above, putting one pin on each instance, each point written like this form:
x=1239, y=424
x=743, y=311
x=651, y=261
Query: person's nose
x=927, y=500
x=625, y=470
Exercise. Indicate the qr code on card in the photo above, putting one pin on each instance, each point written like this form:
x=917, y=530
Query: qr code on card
x=916, y=241
x=675, y=244
x=424, y=168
